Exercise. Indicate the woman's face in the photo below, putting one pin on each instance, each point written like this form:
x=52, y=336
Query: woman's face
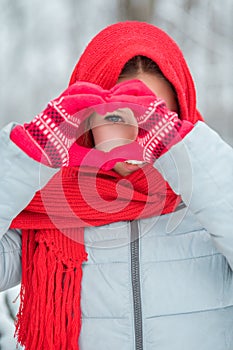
x=113, y=129
x=120, y=127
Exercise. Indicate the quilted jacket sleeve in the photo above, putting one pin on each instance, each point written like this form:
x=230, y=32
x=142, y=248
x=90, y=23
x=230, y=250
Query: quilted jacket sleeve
x=200, y=169
x=20, y=178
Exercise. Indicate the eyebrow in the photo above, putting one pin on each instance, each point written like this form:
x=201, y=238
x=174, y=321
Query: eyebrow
x=124, y=111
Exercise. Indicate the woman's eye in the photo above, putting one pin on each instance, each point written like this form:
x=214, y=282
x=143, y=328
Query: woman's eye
x=113, y=118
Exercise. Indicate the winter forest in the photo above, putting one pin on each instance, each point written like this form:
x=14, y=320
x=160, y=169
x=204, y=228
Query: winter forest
x=41, y=42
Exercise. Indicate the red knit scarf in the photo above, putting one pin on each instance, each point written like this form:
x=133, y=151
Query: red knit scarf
x=53, y=244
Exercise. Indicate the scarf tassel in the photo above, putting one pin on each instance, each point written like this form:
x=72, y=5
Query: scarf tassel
x=49, y=316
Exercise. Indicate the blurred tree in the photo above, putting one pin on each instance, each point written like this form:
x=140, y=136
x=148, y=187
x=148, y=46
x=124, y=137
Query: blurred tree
x=218, y=77
x=188, y=4
x=136, y=10
x=40, y=45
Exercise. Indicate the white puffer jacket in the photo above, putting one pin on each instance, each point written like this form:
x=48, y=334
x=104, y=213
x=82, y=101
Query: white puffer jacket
x=163, y=283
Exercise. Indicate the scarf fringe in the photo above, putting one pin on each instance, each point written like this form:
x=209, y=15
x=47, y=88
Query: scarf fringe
x=49, y=316
x=53, y=247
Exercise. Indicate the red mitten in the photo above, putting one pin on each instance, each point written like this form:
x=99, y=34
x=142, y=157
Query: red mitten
x=159, y=130
x=104, y=160
x=49, y=136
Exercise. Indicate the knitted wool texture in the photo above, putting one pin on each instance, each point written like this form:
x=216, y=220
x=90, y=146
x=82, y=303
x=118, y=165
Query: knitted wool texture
x=105, y=56
x=50, y=315
x=53, y=244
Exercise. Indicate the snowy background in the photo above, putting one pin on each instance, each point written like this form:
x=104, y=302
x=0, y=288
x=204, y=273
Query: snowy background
x=41, y=41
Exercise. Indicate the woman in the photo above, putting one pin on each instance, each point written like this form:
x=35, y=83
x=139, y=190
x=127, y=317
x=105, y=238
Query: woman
x=152, y=268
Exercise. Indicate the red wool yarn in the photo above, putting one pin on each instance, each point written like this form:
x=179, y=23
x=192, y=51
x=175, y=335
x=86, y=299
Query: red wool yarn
x=105, y=56
x=50, y=312
x=53, y=244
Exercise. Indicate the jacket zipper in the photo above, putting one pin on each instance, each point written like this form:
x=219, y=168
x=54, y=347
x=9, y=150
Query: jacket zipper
x=136, y=288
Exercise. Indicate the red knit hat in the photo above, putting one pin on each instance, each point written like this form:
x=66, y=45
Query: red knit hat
x=105, y=56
